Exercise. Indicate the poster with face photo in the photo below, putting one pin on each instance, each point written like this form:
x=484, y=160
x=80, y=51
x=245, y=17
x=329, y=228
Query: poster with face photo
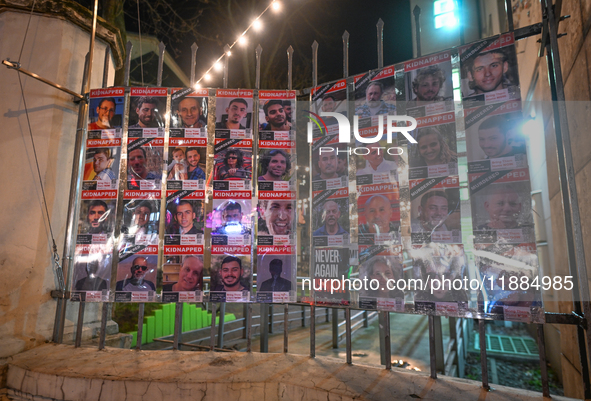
x=494, y=138
x=276, y=168
x=97, y=217
x=444, y=266
x=377, y=163
x=231, y=221
x=188, y=117
x=234, y=112
x=144, y=163
x=276, y=274
x=276, y=112
x=435, y=210
x=435, y=153
x=137, y=271
x=503, y=269
x=186, y=164
x=105, y=113
x=330, y=98
x=184, y=218
x=375, y=95
x=429, y=85
x=231, y=273
x=330, y=217
x=92, y=273
x=381, y=269
x=232, y=170
x=182, y=274
x=501, y=207
x=147, y=113
x=489, y=71
x=330, y=167
x=276, y=222
x=141, y=218
x=101, y=167
x=378, y=208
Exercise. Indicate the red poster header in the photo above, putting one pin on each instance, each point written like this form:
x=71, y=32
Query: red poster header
x=234, y=93
x=268, y=95
x=103, y=143
x=148, y=91
x=107, y=92
x=427, y=61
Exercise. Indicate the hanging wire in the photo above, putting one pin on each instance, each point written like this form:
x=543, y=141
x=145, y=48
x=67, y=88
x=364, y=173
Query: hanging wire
x=139, y=28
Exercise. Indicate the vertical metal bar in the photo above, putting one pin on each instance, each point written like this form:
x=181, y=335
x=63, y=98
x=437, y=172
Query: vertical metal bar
x=178, y=325
x=194, y=49
x=543, y=365
x=365, y=319
x=128, y=49
x=303, y=316
x=348, y=335
x=221, y=326
x=461, y=21
x=335, y=327
x=387, y=341
x=417, y=13
x=439, y=344
x=509, y=9
x=290, y=68
x=103, y=330
x=140, y=326
x=226, y=65
x=60, y=313
x=91, y=47
x=483, y=361
x=106, y=67
x=244, y=315
x=271, y=319
x=264, y=328
x=285, y=327
x=258, y=51
x=345, y=54
x=570, y=201
x=79, y=324
x=380, y=26
x=327, y=314
x=314, y=64
x=432, y=353
x=249, y=328
x=382, y=336
x=161, y=49
x=212, y=332
x=312, y=331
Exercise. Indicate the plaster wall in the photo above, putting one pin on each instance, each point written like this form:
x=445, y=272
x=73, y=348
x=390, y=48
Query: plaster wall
x=55, y=49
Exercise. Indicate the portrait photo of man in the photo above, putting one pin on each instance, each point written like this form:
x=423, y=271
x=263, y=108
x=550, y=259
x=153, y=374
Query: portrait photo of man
x=136, y=278
x=93, y=275
x=275, y=165
x=326, y=164
x=229, y=274
x=190, y=275
x=275, y=117
x=146, y=110
x=137, y=217
x=427, y=85
x=137, y=170
x=376, y=163
x=185, y=216
x=374, y=105
x=96, y=218
x=105, y=112
x=236, y=111
x=231, y=219
x=378, y=213
x=505, y=207
x=433, y=211
x=276, y=283
x=276, y=217
x=190, y=113
x=329, y=220
x=490, y=71
x=102, y=161
x=499, y=137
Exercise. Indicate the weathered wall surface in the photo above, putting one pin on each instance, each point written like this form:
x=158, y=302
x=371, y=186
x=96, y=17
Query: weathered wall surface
x=55, y=48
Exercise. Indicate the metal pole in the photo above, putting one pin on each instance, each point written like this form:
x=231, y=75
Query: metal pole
x=60, y=313
x=212, y=333
x=221, y=326
x=161, y=48
x=285, y=327
x=387, y=342
x=258, y=52
x=140, y=326
x=432, y=353
x=483, y=361
x=509, y=10
x=264, y=328
x=103, y=331
x=194, y=49
x=91, y=48
x=543, y=365
x=348, y=335
x=380, y=26
x=79, y=324
x=128, y=49
x=312, y=331
x=314, y=64
x=461, y=22
x=271, y=319
x=290, y=68
x=365, y=319
x=335, y=327
x=570, y=201
x=244, y=314
x=106, y=67
x=249, y=328
x=439, y=344
x=382, y=336
x=226, y=64
x=303, y=316
x=178, y=325
x=417, y=13
x=345, y=54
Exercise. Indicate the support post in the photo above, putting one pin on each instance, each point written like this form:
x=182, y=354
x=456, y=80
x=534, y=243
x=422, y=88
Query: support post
x=212, y=332
x=249, y=328
x=380, y=26
x=103, y=331
x=226, y=65
x=509, y=9
x=387, y=341
x=161, y=49
x=543, y=364
x=312, y=331
x=221, y=326
x=264, y=328
x=271, y=319
x=194, y=49
x=128, y=49
x=258, y=51
x=417, y=14
x=335, y=327
x=348, y=335
x=178, y=325
x=106, y=67
x=140, y=326
x=285, y=327
x=432, y=347
x=79, y=324
x=382, y=335
x=345, y=54
x=439, y=344
x=290, y=68
x=314, y=64
x=483, y=361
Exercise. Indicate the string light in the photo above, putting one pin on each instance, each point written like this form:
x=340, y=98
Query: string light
x=241, y=40
x=218, y=66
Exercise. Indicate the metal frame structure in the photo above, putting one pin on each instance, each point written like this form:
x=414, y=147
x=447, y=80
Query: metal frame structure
x=548, y=28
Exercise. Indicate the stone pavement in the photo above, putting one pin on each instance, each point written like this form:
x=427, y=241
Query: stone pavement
x=62, y=372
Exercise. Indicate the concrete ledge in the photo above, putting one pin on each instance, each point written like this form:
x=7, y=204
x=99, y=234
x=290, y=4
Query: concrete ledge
x=62, y=372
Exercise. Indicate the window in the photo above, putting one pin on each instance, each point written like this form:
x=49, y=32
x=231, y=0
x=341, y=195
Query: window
x=444, y=12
